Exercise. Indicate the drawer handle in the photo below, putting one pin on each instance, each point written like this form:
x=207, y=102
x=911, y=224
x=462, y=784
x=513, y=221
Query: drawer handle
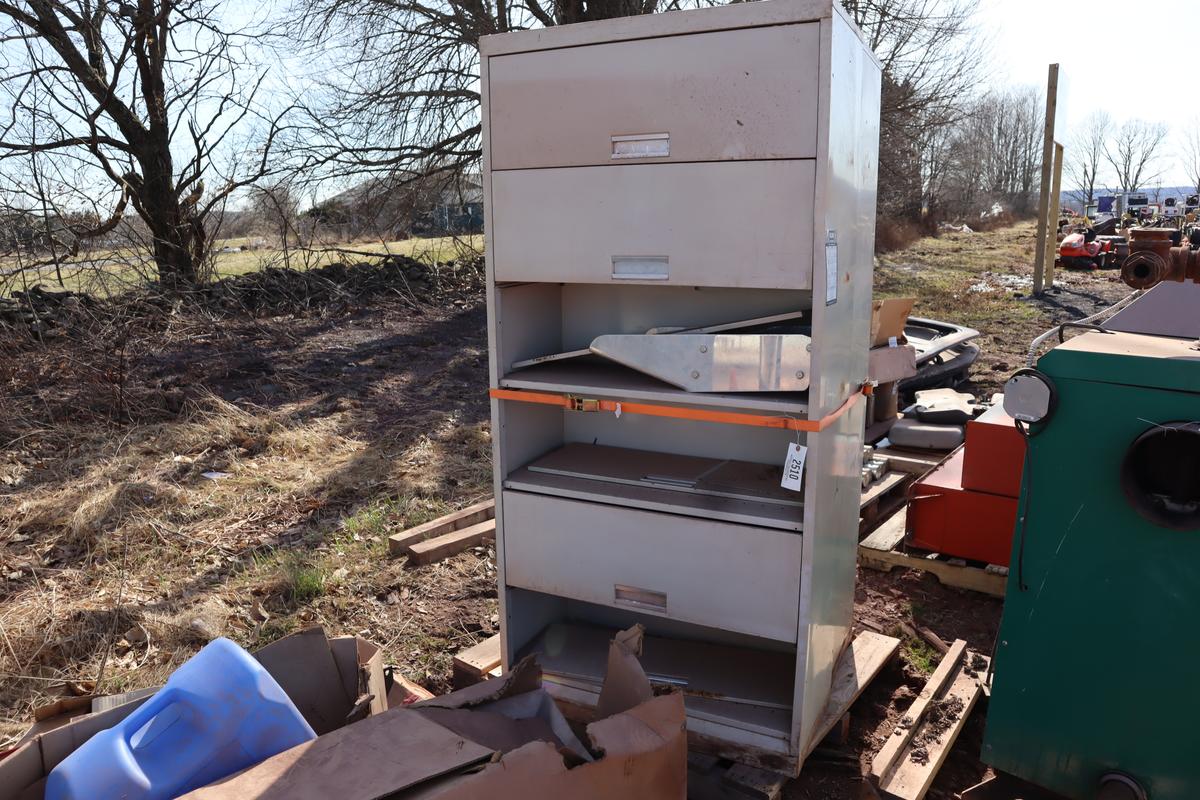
x=641, y=268
x=640, y=598
x=642, y=145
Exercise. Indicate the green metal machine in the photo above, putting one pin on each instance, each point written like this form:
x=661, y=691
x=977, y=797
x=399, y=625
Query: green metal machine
x=1096, y=688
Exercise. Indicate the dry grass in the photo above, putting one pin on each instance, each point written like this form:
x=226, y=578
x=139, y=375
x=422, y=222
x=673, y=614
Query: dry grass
x=110, y=271
x=984, y=280
x=122, y=558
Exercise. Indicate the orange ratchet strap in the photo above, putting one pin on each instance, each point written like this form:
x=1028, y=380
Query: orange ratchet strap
x=575, y=403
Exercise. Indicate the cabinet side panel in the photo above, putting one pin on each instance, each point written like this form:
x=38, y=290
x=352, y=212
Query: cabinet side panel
x=846, y=193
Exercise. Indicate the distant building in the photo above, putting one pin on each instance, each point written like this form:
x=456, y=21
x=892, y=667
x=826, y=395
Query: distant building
x=399, y=208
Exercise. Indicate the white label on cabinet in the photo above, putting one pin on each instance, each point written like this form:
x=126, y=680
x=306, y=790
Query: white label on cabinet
x=831, y=268
x=793, y=466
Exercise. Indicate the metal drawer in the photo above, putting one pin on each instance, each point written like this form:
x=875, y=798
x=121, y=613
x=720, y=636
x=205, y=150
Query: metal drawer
x=729, y=223
x=740, y=94
x=721, y=575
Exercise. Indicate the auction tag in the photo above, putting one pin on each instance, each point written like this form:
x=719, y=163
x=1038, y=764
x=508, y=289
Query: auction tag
x=793, y=467
x=893, y=341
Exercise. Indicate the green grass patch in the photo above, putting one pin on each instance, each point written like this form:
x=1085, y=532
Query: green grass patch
x=917, y=652
x=304, y=581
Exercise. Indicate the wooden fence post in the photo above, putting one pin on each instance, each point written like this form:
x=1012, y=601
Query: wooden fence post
x=1055, y=207
x=1039, y=263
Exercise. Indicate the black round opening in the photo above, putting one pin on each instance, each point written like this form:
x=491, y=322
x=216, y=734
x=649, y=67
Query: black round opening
x=1141, y=270
x=1160, y=475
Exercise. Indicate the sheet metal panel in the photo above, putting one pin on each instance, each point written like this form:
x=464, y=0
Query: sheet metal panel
x=730, y=223
x=744, y=94
x=709, y=573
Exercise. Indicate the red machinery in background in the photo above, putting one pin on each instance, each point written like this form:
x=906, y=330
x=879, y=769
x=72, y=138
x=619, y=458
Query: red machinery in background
x=967, y=506
x=1086, y=250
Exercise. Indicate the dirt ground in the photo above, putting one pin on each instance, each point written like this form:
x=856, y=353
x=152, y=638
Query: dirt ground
x=238, y=476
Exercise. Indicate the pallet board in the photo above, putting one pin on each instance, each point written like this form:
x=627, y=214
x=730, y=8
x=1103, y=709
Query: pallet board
x=477, y=662
x=858, y=666
x=881, y=499
x=449, y=544
x=883, y=550
x=712, y=778
x=399, y=543
x=931, y=724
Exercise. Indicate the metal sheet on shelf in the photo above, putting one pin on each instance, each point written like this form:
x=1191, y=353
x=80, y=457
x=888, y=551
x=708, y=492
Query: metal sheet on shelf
x=667, y=330
x=723, y=362
x=738, y=480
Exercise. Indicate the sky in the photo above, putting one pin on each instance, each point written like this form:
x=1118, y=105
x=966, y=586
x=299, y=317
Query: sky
x=1112, y=56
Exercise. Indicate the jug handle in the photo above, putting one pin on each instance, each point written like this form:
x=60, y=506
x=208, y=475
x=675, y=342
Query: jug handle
x=161, y=701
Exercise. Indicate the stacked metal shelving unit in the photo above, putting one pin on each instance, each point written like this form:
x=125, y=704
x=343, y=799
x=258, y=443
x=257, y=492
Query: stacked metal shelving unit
x=647, y=179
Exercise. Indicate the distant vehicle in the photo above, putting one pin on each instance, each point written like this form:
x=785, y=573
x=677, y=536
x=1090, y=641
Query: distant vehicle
x=1134, y=203
x=1191, y=204
x=1171, y=208
x=1086, y=250
x=1104, y=208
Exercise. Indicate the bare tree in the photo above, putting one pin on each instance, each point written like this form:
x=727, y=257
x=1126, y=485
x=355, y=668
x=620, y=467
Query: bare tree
x=131, y=103
x=1133, y=151
x=1190, y=152
x=409, y=108
x=1086, y=156
x=277, y=204
x=931, y=62
x=994, y=153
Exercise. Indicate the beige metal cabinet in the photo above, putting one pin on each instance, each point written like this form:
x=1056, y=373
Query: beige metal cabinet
x=639, y=223
x=672, y=171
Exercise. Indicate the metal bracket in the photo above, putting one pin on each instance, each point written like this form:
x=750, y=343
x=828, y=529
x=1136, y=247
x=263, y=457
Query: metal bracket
x=582, y=404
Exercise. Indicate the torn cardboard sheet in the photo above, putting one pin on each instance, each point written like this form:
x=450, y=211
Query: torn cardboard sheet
x=457, y=747
x=643, y=745
x=887, y=364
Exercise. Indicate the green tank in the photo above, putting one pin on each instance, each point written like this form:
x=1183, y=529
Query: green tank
x=1099, y=649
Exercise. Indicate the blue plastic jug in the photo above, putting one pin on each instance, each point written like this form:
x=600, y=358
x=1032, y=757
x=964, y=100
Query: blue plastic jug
x=218, y=713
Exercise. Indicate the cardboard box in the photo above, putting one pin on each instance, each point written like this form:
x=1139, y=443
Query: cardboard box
x=887, y=402
x=888, y=318
x=503, y=739
x=332, y=682
x=888, y=364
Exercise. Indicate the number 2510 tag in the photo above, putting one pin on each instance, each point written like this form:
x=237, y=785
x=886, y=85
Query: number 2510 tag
x=793, y=466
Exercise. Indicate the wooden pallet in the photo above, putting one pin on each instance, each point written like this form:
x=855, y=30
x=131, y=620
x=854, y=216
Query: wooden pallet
x=910, y=759
x=445, y=536
x=881, y=499
x=884, y=550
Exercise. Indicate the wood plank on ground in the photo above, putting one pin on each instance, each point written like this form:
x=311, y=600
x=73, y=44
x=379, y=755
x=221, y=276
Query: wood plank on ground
x=399, y=543
x=477, y=662
x=753, y=782
x=439, y=547
x=857, y=667
x=903, y=771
